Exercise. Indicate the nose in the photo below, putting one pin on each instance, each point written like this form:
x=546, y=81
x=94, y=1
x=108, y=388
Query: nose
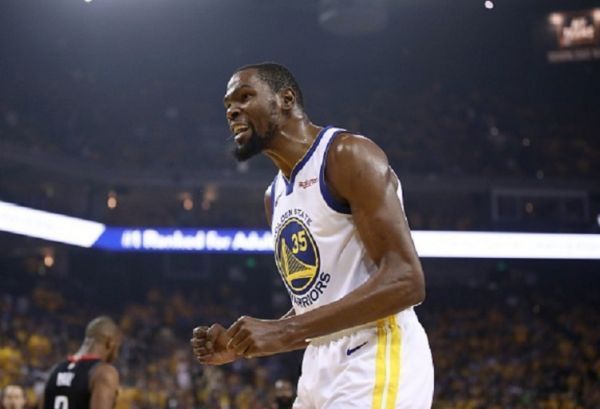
x=232, y=112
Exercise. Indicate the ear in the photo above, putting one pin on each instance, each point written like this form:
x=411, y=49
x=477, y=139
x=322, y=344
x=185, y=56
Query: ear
x=288, y=98
x=109, y=344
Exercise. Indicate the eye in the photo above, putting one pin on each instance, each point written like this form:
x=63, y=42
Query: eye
x=245, y=97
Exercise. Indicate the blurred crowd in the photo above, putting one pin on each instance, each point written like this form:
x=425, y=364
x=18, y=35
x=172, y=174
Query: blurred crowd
x=432, y=129
x=516, y=343
x=434, y=135
x=513, y=340
x=156, y=367
x=478, y=131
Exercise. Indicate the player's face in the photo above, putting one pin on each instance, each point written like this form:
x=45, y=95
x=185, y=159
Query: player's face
x=13, y=398
x=251, y=113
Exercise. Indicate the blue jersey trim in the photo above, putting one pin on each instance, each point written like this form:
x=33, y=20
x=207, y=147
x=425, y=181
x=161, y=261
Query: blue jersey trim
x=273, y=187
x=290, y=184
x=332, y=202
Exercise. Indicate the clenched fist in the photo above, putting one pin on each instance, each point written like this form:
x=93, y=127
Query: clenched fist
x=210, y=345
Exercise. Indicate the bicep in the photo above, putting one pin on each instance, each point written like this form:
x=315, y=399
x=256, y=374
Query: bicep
x=362, y=176
x=380, y=220
x=105, y=385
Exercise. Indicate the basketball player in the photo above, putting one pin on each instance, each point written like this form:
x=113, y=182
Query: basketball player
x=13, y=397
x=87, y=379
x=343, y=249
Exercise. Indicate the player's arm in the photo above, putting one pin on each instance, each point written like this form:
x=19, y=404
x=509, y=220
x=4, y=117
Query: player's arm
x=104, y=385
x=357, y=172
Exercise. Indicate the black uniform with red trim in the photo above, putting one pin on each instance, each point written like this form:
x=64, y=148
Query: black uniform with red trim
x=69, y=384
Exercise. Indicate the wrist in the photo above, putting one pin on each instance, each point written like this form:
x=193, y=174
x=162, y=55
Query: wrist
x=293, y=333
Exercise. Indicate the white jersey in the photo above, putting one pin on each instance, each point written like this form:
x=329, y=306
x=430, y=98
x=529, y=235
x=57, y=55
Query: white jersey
x=318, y=251
x=321, y=258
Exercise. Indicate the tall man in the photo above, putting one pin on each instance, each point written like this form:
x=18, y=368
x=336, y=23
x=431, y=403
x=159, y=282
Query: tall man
x=87, y=380
x=343, y=249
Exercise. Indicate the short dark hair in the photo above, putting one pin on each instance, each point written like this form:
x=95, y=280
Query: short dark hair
x=277, y=77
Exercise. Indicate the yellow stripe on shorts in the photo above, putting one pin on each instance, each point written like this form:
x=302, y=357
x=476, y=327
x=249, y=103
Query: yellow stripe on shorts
x=396, y=349
x=387, y=357
x=380, y=365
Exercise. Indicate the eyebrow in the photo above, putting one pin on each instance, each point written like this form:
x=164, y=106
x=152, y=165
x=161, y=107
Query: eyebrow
x=236, y=89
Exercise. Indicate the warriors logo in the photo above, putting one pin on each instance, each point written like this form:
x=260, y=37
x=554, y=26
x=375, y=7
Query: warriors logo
x=297, y=256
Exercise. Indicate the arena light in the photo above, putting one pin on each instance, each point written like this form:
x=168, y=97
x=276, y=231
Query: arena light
x=49, y=260
x=429, y=244
x=111, y=200
x=463, y=244
x=556, y=19
x=48, y=226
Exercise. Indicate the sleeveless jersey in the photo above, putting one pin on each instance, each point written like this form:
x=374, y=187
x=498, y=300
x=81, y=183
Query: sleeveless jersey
x=318, y=251
x=69, y=385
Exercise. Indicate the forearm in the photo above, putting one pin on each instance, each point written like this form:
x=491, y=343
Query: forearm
x=299, y=343
x=376, y=299
x=385, y=293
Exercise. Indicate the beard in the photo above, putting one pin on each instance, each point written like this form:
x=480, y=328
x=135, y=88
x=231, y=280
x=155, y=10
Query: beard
x=255, y=144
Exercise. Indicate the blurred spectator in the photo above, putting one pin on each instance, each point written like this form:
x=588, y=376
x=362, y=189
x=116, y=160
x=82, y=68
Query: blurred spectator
x=13, y=397
x=284, y=394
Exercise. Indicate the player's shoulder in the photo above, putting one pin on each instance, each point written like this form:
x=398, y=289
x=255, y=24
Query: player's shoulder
x=349, y=148
x=104, y=372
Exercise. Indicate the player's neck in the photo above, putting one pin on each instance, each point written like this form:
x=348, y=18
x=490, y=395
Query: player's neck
x=291, y=144
x=89, y=349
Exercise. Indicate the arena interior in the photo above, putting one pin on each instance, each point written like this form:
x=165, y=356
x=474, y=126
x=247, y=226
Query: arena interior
x=111, y=111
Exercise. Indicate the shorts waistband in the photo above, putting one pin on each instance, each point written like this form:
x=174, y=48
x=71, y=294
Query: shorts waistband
x=340, y=334
x=402, y=316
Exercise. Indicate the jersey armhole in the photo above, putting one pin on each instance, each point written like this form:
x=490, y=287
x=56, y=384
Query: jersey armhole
x=333, y=203
x=273, y=188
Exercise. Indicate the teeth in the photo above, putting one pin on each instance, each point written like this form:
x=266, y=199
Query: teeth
x=239, y=129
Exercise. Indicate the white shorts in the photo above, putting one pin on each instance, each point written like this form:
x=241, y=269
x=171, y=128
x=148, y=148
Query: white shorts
x=384, y=365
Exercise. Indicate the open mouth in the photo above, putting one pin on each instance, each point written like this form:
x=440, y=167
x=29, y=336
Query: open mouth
x=241, y=133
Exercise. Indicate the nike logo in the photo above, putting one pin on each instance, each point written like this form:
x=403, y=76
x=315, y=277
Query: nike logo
x=350, y=351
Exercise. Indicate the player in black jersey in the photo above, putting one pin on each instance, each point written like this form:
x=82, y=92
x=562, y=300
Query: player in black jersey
x=87, y=379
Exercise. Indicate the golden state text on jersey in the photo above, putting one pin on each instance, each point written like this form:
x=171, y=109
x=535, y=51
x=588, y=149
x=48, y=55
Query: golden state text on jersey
x=318, y=251
x=298, y=259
